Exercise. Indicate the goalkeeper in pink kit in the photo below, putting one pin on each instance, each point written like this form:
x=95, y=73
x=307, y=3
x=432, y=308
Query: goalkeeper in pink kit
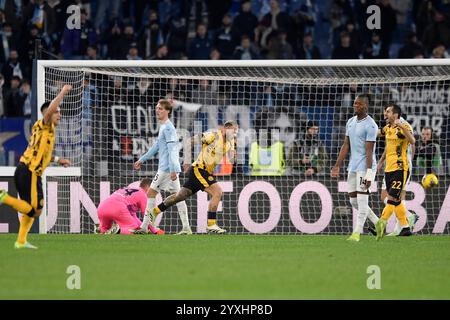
x=121, y=207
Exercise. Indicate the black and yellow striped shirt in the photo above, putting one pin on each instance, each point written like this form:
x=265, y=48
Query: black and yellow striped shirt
x=396, y=147
x=38, y=155
x=214, y=147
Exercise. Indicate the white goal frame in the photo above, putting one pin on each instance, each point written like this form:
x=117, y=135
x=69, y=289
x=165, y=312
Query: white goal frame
x=85, y=64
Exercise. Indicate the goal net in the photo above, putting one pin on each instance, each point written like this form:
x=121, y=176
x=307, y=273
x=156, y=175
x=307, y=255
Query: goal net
x=291, y=117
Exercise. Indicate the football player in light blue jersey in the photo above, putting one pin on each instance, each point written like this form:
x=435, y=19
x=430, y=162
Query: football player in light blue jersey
x=360, y=137
x=168, y=168
x=410, y=217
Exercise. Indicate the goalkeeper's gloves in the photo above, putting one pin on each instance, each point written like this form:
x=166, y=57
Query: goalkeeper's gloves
x=369, y=175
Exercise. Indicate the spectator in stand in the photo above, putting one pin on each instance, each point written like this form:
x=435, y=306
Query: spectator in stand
x=355, y=36
x=175, y=32
x=224, y=40
x=246, y=51
x=215, y=54
x=301, y=20
x=151, y=35
x=12, y=67
x=27, y=46
x=41, y=15
x=376, y=49
x=161, y=54
x=133, y=53
x=126, y=41
x=115, y=41
x=345, y=50
x=112, y=7
x=340, y=12
x=13, y=100
x=411, y=47
x=91, y=53
x=388, y=22
x=12, y=13
x=276, y=19
x=25, y=94
x=438, y=32
x=428, y=155
x=308, y=155
x=278, y=47
x=245, y=22
x=201, y=45
x=272, y=21
x=308, y=50
x=439, y=52
x=8, y=40
x=76, y=41
x=423, y=15
x=60, y=9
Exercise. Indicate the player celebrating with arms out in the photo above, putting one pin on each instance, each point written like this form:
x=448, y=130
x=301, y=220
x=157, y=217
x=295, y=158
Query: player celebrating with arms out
x=33, y=163
x=166, y=178
x=399, y=135
x=215, y=145
x=360, y=137
x=410, y=217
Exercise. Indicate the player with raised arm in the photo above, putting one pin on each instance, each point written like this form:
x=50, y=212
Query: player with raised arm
x=166, y=179
x=399, y=135
x=32, y=165
x=121, y=207
x=215, y=145
x=410, y=217
x=360, y=137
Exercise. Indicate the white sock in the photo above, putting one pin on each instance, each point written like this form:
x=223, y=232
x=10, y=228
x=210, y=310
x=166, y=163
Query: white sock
x=371, y=215
x=363, y=210
x=146, y=219
x=182, y=211
x=398, y=227
x=150, y=203
x=408, y=213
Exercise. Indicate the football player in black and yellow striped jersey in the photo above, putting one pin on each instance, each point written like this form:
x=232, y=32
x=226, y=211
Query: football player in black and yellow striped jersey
x=215, y=145
x=32, y=164
x=399, y=135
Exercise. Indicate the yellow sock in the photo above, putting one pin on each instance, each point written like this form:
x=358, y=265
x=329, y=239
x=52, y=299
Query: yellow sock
x=211, y=222
x=25, y=225
x=387, y=211
x=400, y=212
x=19, y=205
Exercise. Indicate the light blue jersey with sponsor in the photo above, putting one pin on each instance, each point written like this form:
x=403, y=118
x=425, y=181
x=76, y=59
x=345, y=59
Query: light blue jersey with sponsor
x=359, y=132
x=167, y=146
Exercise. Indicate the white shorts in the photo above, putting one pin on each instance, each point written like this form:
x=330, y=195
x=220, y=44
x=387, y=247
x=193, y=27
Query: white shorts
x=355, y=179
x=383, y=184
x=162, y=182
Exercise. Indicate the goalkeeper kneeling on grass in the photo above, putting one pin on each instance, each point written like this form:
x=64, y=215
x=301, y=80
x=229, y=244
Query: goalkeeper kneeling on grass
x=121, y=207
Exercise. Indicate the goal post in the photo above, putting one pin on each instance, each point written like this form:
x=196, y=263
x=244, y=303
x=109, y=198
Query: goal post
x=280, y=183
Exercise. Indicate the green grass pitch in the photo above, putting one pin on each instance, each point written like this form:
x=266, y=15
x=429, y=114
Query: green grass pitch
x=225, y=267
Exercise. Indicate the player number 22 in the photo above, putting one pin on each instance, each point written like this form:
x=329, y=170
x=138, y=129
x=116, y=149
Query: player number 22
x=396, y=184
